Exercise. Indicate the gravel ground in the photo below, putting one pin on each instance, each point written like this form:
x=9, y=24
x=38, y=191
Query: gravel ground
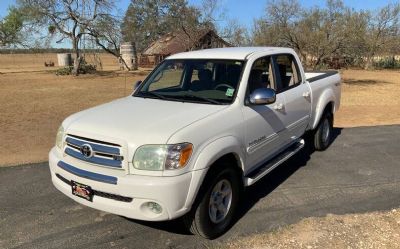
x=370, y=230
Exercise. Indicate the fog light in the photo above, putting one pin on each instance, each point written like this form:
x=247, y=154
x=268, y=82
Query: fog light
x=154, y=207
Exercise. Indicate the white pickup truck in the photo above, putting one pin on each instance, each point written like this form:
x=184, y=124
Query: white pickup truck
x=201, y=127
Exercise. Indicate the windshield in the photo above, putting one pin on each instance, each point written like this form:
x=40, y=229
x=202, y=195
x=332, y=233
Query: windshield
x=201, y=81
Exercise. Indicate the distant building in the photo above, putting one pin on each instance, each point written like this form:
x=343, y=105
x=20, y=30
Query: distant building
x=178, y=42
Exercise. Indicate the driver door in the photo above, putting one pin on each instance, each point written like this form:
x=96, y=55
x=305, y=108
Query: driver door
x=264, y=124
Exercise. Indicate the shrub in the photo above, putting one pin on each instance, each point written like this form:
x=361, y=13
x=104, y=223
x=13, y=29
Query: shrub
x=387, y=63
x=84, y=68
x=64, y=71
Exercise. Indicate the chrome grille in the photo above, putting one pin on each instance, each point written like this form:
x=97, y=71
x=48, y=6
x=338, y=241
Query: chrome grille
x=103, y=153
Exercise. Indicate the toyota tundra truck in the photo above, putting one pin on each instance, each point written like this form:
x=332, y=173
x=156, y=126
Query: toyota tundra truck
x=200, y=128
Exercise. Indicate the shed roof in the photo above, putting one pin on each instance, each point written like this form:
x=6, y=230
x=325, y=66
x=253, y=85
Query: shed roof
x=180, y=41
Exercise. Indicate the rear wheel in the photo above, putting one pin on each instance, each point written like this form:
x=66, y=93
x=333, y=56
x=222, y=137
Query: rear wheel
x=323, y=132
x=212, y=215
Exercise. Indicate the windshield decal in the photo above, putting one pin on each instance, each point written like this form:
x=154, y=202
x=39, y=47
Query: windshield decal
x=229, y=92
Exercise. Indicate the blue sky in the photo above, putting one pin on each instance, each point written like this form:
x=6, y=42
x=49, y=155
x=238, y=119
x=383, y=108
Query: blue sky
x=245, y=11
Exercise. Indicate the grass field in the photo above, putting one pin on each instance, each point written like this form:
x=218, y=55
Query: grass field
x=369, y=98
x=34, y=101
x=33, y=105
x=35, y=62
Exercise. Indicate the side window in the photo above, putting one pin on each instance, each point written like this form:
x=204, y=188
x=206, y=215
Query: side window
x=287, y=71
x=261, y=75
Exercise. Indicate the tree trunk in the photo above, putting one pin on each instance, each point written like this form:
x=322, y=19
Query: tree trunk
x=368, y=63
x=135, y=56
x=77, y=59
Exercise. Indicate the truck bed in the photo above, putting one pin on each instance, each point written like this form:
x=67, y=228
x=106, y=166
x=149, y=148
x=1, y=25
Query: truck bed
x=313, y=76
x=322, y=82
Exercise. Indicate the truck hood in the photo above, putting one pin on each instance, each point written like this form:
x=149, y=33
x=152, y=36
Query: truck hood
x=137, y=120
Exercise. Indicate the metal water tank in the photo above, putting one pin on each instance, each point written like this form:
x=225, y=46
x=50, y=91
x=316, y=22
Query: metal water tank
x=127, y=54
x=64, y=60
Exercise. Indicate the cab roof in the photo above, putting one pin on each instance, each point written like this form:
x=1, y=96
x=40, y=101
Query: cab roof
x=231, y=53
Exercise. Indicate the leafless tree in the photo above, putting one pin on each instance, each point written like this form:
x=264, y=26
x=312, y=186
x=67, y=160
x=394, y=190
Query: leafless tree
x=68, y=19
x=384, y=32
x=235, y=33
x=106, y=34
x=320, y=34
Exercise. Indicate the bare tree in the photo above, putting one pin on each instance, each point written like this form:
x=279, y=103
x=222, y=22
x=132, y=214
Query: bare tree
x=383, y=32
x=69, y=19
x=106, y=33
x=235, y=33
x=324, y=32
x=279, y=26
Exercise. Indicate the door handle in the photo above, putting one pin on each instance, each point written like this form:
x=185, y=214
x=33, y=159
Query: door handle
x=278, y=106
x=306, y=94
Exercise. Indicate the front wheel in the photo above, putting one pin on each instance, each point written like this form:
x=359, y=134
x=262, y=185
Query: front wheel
x=212, y=215
x=323, y=132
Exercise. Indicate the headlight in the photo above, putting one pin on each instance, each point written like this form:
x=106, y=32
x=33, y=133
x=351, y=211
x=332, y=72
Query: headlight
x=160, y=157
x=59, y=137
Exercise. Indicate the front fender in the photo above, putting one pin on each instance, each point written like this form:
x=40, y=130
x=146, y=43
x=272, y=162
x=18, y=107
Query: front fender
x=218, y=148
x=209, y=155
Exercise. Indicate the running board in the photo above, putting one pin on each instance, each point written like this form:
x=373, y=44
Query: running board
x=260, y=172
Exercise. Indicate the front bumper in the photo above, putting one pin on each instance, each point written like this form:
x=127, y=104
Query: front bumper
x=169, y=192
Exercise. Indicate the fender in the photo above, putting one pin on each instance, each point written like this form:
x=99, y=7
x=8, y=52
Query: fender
x=209, y=155
x=326, y=97
x=218, y=148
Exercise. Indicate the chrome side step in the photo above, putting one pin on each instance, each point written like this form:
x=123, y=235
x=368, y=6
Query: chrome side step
x=260, y=172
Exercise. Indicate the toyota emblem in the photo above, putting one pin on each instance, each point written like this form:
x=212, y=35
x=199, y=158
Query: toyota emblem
x=87, y=150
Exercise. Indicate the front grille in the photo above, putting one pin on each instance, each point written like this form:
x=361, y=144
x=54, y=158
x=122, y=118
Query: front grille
x=102, y=153
x=112, y=196
x=100, y=193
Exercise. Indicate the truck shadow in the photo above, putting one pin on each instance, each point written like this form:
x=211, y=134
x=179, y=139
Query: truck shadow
x=254, y=193
x=363, y=82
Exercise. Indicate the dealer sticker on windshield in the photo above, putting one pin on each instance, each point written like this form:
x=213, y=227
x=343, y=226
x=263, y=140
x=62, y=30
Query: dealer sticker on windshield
x=229, y=92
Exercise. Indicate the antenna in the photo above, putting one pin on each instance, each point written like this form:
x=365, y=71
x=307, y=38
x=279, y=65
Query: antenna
x=83, y=40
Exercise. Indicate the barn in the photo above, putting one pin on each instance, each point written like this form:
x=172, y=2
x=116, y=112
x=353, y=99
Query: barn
x=177, y=42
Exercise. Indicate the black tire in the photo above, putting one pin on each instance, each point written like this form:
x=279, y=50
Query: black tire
x=323, y=133
x=199, y=220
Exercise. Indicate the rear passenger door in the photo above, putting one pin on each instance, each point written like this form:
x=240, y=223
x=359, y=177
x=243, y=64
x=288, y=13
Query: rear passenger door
x=297, y=95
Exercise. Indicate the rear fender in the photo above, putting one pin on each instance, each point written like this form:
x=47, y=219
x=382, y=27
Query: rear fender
x=325, y=98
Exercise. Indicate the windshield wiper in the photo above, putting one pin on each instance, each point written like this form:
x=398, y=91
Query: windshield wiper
x=179, y=97
x=157, y=95
x=213, y=101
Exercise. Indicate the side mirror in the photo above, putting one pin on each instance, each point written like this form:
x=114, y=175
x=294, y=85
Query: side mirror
x=136, y=85
x=262, y=96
